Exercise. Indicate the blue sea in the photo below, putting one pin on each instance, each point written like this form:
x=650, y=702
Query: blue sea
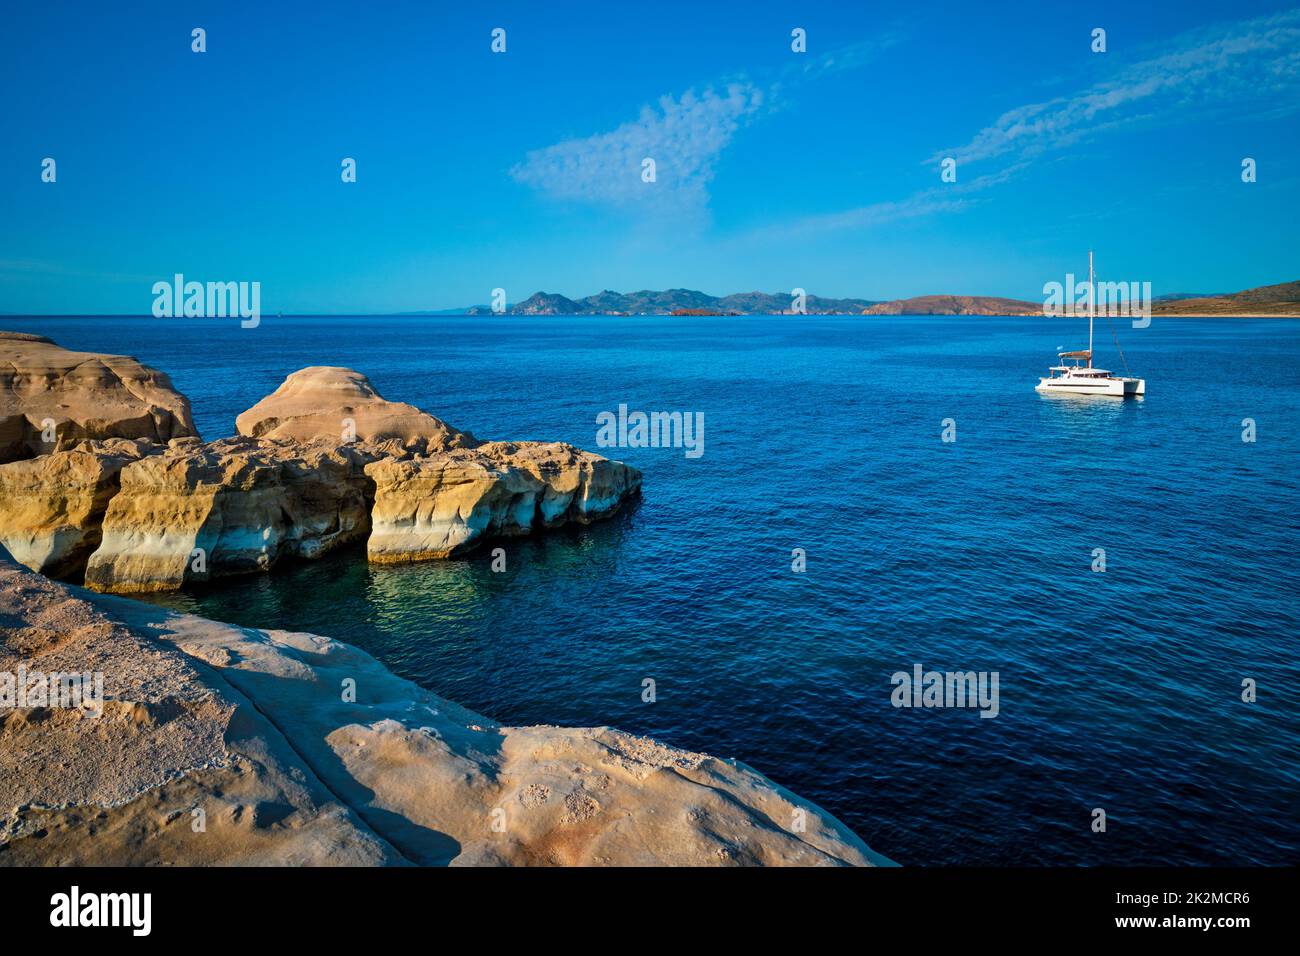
x=1119, y=690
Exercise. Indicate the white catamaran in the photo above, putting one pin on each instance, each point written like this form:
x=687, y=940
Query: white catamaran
x=1083, y=379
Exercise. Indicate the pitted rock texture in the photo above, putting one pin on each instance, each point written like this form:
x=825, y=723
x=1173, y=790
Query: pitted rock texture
x=322, y=462
x=179, y=768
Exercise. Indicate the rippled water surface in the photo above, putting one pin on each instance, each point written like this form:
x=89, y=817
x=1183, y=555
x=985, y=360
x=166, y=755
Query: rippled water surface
x=1118, y=690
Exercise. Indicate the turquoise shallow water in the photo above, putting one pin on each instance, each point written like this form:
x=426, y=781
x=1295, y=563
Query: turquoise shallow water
x=1118, y=690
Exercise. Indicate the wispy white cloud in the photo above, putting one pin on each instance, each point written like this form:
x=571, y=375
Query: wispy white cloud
x=875, y=214
x=1252, y=66
x=949, y=197
x=854, y=56
x=684, y=137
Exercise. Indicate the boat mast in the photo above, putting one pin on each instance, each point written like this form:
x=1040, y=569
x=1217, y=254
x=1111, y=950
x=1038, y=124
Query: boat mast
x=1092, y=305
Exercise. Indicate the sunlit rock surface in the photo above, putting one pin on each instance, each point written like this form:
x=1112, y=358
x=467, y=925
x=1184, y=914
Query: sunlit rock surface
x=339, y=404
x=251, y=733
x=48, y=392
x=444, y=504
x=236, y=506
x=52, y=507
x=321, y=462
x=438, y=491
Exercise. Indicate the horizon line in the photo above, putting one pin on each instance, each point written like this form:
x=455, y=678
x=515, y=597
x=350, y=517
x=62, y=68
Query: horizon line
x=465, y=309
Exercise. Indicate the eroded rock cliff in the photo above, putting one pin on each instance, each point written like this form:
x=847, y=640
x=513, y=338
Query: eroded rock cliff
x=50, y=396
x=326, y=460
x=201, y=511
x=323, y=461
x=442, y=505
x=52, y=507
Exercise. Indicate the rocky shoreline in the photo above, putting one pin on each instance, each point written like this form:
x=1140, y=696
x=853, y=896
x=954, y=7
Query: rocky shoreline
x=221, y=745
x=218, y=745
x=105, y=480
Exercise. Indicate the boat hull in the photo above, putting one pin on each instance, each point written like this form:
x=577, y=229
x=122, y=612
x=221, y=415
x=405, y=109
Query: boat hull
x=1116, y=387
x=1108, y=386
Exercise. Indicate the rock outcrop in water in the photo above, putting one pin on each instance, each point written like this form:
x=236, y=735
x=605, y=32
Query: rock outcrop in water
x=49, y=392
x=438, y=491
x=442, y=505
x=339, y=404
x=186, y=721
x=248, y=732
x=197, y=512
x=321, y=462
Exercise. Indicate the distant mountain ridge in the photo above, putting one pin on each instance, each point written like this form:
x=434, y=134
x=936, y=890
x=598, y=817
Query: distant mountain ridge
x=1179, y=296
x=956, y=305
x=1280, y=299
x=647, y=302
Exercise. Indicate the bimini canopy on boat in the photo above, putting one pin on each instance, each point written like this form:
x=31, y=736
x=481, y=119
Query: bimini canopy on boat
x=1084, y=356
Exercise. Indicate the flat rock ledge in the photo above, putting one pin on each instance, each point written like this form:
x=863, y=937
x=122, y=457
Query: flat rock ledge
x=220, y=745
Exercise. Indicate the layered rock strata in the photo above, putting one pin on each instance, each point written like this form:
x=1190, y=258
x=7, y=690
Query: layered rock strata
x=50, y=396
x=442, y=505
x=52, y=507
x=236, y=506
x=323, y=461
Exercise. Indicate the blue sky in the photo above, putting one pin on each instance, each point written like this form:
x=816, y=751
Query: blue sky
x=522, y=170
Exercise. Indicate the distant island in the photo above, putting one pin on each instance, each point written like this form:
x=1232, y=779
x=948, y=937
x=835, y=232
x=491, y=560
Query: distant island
x=955, y=305
x=1282, y=299
x=693, y=302
x=681, y=301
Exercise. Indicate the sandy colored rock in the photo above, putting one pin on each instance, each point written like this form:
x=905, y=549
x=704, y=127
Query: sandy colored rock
x=579, y=485
x=251, y=728
x=191, y=512
x=179, y=768
x=438, y=491
x=198, y=512
x=46, y=390
x=437, y=507
x=340, y=405
x=52, y=507
x=447, y=503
